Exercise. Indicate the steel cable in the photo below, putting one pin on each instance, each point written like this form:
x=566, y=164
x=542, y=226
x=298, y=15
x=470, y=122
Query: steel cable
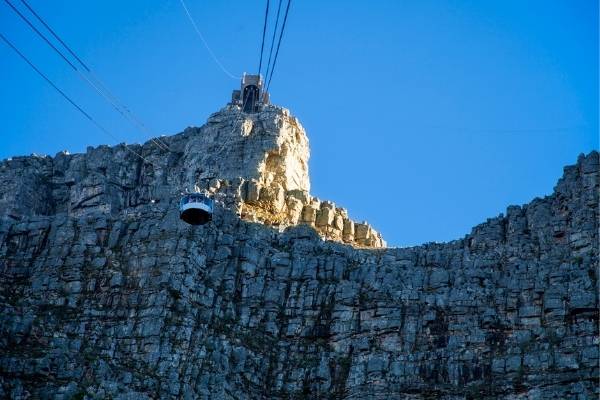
x=98, y=86
x=212, y=54
x=287, y=9
x=262, y=45
x=66, y=97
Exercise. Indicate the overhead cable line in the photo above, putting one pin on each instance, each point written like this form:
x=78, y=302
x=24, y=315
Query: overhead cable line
x=287, y=9
x=55, y=35
x=214, y=57
x=66, y=97
x=40, y=34
x=262, y=44
x=131, y=116
x=273, y=38
x=98, y=86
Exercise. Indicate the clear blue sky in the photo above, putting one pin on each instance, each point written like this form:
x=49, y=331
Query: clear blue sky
x=424, y=117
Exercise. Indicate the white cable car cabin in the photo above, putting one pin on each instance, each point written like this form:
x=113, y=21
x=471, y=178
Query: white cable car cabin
x=195, y=209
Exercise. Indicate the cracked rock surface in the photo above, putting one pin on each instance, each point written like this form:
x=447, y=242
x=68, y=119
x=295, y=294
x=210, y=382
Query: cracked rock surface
x=104, y=293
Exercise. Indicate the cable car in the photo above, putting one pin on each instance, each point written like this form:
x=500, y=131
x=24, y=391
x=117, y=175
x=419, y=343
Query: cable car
x=195, y=208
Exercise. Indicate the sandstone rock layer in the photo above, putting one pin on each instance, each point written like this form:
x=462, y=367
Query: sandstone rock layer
x=104, y=293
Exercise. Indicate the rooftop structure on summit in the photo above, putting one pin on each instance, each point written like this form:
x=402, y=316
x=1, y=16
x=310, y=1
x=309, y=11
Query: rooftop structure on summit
x=252, y=95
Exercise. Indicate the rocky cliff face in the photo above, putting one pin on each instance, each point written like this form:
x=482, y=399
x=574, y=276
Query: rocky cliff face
x=253, y=164
x=104, y=293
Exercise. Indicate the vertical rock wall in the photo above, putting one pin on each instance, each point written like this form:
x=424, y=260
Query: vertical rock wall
x=104, y=293
x=270, y=147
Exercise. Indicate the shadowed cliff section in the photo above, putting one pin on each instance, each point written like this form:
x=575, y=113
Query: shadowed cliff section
x=105, y=293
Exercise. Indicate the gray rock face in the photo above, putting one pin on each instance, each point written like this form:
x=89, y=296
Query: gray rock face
x=270, y=146
x=253, y=164
x=104, y=293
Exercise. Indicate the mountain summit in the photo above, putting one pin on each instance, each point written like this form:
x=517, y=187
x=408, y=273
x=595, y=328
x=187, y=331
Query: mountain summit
x=254, y=164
